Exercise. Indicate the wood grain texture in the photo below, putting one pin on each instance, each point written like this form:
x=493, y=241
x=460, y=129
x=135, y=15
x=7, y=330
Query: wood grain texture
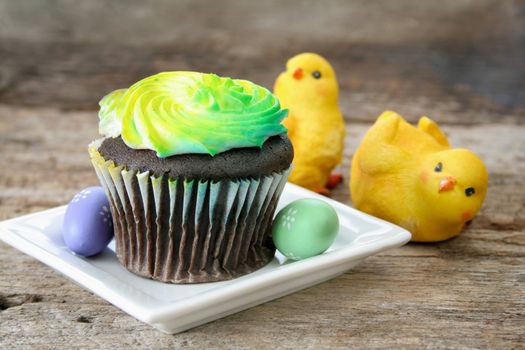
x=459, y=62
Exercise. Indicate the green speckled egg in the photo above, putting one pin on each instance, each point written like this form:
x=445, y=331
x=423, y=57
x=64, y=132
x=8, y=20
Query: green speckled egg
x=304, y=228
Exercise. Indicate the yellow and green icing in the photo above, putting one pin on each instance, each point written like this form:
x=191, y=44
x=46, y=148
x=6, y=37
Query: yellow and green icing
x=188, y=112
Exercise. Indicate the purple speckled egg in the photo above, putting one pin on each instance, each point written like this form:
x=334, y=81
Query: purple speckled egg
x=88, y=226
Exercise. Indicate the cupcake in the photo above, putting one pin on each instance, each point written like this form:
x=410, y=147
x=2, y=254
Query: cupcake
x=193, y=165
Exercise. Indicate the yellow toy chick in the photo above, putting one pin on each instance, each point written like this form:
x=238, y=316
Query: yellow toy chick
x=309, y=89
x=413, y=178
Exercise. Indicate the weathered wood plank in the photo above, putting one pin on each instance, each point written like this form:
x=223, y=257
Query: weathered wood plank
x=46, y=160
x=407, y=56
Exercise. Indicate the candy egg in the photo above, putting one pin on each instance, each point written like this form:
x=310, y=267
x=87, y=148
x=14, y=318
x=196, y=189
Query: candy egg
x=304, y=228
x=88, y=227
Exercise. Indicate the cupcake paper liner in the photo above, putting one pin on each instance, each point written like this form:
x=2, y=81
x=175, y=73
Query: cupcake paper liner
x=189, y=231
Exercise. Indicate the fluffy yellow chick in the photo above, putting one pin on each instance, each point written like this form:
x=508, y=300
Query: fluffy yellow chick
x=309, y=89
x=413, y=178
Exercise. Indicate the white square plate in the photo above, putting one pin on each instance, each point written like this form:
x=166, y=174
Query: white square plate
x=175, y=308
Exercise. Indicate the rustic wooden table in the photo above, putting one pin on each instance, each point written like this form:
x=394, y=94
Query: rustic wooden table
x=459, y=62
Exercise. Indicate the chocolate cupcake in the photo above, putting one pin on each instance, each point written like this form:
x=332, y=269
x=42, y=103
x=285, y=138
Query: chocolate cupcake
x=193, y=165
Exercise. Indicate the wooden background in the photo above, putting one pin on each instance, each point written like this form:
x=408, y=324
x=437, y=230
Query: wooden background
x=460, y=62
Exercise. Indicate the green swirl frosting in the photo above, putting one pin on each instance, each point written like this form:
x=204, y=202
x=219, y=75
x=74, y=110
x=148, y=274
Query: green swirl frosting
x=188, y=112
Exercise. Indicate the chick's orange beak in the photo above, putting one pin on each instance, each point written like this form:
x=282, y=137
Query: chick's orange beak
x=298, y=74
x=447, y=183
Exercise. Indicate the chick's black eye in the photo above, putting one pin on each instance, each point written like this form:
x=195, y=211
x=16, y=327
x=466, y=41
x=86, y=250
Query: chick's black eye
x=316, y=74
x=469, y=191
x=438, y=167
